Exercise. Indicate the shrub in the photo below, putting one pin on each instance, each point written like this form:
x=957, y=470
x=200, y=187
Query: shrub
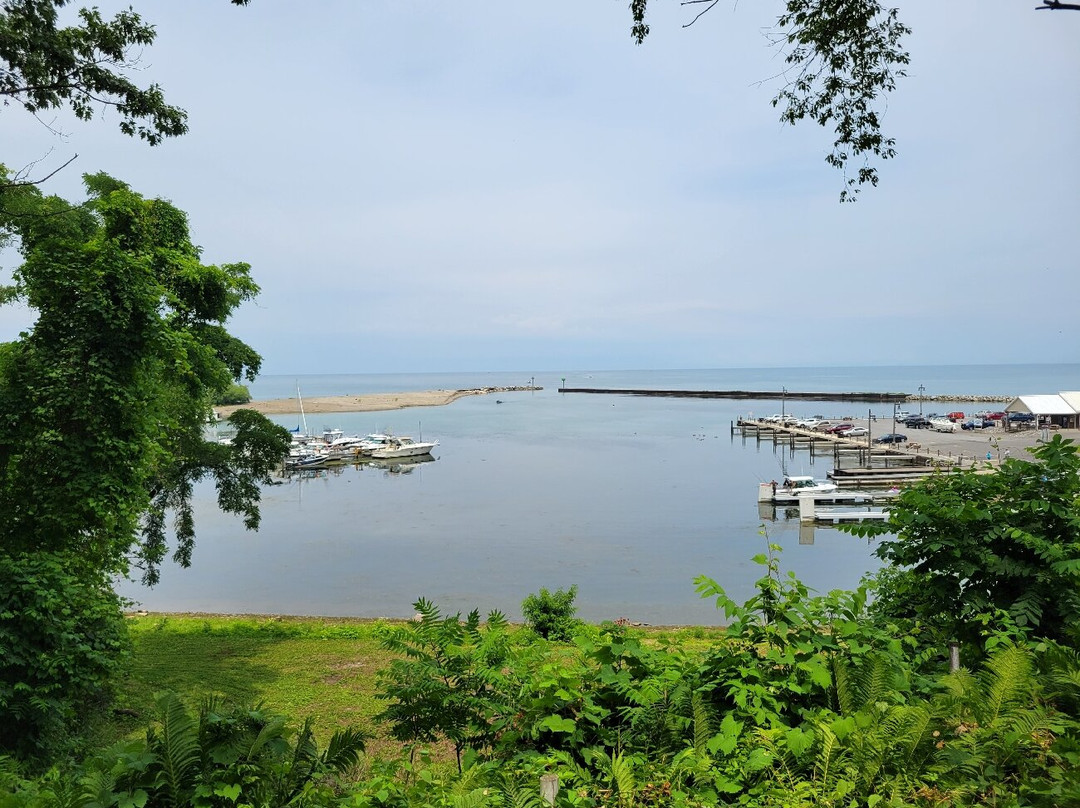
x=234, y=394
x=448, y=683
x=551, y=615
x=62, y=635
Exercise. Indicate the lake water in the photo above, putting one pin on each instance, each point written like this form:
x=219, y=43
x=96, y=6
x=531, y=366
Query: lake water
x=629, y=498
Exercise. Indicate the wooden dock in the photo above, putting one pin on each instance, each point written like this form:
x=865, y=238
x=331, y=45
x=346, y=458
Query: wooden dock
x=856, y=462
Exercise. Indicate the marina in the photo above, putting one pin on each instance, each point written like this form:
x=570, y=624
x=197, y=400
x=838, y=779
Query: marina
x=629, y=497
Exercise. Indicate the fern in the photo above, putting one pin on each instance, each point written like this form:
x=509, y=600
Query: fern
x=1006, y=677
x=704, y=726
x=177, y=750
x=473, y=799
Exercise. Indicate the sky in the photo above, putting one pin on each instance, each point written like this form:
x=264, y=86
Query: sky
x=486, y=185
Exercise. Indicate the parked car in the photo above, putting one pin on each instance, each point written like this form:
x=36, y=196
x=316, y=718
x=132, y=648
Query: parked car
x=916, y=422
x=807, y=423
x=838, y=429
x=856, y=432
x=892, y=437
x=956, y=416
x=1021, y=417
x=981, y=423
x=996, y=416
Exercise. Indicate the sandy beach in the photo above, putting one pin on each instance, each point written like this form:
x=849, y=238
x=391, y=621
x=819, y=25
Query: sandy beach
x=369, y=402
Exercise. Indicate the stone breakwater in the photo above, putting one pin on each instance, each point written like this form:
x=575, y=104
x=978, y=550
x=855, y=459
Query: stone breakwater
x=977, y=399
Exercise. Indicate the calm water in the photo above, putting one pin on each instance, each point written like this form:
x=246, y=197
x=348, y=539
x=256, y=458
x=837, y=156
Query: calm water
x=629, y=498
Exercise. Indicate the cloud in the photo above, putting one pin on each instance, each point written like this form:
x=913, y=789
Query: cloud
x=428, y=187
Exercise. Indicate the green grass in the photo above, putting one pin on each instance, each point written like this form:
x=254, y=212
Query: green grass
x=300, y=667
x=321, y=668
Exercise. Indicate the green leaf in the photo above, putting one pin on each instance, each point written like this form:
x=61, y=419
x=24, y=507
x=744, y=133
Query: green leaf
x=229, y=792
x=799, y=740
x=818, y=672
x=556, y=723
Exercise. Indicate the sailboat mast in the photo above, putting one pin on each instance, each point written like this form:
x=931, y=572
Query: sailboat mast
x=303, y=417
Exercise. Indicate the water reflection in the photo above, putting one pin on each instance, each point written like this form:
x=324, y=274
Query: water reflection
x=629, y=498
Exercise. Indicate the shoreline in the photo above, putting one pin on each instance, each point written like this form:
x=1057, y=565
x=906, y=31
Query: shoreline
x=367, y=402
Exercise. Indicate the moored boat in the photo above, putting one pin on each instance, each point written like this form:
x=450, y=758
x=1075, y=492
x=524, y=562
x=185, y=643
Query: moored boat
x=403, y=447
x=793, y=487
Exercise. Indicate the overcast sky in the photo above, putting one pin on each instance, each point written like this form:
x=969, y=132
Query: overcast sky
x=492, y=185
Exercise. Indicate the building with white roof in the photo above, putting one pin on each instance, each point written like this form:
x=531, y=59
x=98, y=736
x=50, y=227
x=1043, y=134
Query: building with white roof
x=1061, y=409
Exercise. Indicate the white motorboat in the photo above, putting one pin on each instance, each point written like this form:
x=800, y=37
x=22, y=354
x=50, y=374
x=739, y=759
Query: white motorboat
x=403, y=447
x=372, y=442
x=793, y=487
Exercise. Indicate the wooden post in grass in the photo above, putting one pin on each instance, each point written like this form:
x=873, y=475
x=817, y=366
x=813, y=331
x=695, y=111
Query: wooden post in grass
x=549, y=787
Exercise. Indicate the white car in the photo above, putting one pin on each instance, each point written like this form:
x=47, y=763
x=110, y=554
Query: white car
x=856, y=432
x=807, y=423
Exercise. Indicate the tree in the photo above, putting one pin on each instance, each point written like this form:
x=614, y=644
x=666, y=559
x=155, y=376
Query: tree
x=972, y=547
x=84, y=67
x=104, y=400
x=843, y=57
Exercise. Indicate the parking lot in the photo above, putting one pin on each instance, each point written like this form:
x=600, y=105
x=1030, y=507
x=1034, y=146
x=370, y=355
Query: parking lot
x=970, y=445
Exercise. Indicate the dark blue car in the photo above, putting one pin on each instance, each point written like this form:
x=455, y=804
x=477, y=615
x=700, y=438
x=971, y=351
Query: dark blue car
x=892, y=437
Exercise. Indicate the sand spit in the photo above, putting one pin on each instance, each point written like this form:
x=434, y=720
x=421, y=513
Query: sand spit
x=369, y=402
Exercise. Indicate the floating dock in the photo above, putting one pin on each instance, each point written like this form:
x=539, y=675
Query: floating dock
x=809, y=512
x=876, y=465
x=785, y=498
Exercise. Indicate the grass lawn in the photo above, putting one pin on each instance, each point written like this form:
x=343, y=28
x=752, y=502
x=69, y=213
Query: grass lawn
x=324, y=668
x=317, y=667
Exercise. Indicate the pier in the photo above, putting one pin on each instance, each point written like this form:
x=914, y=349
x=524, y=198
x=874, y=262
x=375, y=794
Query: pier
x=887, y=398
x=866, y=462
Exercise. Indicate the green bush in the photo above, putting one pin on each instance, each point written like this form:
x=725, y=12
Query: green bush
x=551, y=615
x=449, y=681
x=235, y=394
x=62, y=636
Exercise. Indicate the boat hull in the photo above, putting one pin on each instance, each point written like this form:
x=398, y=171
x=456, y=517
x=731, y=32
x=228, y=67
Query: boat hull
x=412, y=450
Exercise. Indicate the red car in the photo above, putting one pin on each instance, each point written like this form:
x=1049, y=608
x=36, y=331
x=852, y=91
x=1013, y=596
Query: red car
x=839, y=429
x=995, y=416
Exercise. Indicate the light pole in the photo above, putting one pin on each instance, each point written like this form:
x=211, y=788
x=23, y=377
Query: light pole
x=783, y=403
x=922, y=389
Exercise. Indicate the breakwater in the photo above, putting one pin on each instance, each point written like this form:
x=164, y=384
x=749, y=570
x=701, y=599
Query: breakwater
x=977, y=399
x=759, y=395
x=746, y=394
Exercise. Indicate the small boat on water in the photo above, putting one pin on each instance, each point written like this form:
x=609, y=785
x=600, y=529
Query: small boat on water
x=794, y=486
x=307, y=461
x=403, y=447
